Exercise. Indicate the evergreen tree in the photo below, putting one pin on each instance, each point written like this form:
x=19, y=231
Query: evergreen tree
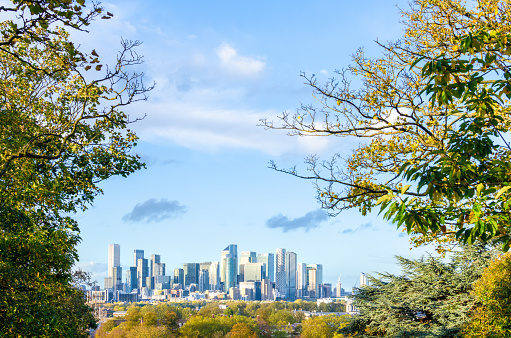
x=431, y=298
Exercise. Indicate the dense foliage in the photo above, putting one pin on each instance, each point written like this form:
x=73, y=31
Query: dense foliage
x=431, y=298
x=61, y=133
x=491, y=317
x=433, y=112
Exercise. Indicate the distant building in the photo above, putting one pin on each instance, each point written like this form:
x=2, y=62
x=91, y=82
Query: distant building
x=280, y=271
x=179, y=277
x=142, y=272
x=338, y=288
x=301, y=280
x=214, y=276
x=131, y=279
x=363, y=279
x=290, y=272
x=244, y=258
x=229, y=266
x=114, y=258
x=191, y=273
x=269, y=260
x=254, y=272
x=137, y=254
x=155, y=259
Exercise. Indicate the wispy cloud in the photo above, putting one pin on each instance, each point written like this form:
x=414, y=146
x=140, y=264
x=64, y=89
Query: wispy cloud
x=361, y=227
x=237, y=64
x=310, y=220
x=153, y=210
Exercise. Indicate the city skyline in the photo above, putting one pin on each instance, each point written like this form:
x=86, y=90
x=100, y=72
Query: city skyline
x=218, y=71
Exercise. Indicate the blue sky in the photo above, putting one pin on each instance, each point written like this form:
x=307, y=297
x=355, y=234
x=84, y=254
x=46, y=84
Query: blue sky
x=219, y=67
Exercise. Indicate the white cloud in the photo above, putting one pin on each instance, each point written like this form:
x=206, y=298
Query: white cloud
x=237, y=64
x=324, y=72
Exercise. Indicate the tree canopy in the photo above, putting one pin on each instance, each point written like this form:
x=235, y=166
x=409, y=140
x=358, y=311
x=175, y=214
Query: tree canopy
x=62, y=131
x=431, y=113
x=430, y=298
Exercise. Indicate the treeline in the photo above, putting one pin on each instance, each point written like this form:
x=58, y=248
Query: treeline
x=208, y=319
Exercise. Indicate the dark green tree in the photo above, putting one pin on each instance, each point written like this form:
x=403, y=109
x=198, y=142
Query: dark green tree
x=431, y=298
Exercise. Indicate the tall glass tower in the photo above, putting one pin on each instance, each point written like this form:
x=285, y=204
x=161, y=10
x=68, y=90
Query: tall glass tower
x=229, y=266
x=114, y=258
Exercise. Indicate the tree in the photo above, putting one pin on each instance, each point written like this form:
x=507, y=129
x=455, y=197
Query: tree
x=491, y=316
x=62, y=132
x=323, y=326
x=410, y=140
x=431, y=298
x=241, y=330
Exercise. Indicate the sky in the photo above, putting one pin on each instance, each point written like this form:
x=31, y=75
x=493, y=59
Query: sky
x=219, y=67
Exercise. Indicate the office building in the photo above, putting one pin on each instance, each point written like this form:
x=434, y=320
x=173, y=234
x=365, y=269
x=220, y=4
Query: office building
x=229, y=267
x=131, y=279
x=114, y=258
x=155, y=259
x=245, y=257
x=142, y=272
x=179, y=277
x=280, y=272
x=191, y=273
x=254, y=272
x=363, y=279
x=269, y=260
x=290, y=272
x=338, y=288
x=214, y=276
x=137, y=254
x=301, y=280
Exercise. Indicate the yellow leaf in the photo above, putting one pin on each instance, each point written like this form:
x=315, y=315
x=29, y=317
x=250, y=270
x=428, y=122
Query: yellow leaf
x=503, y=190
x=405, y=188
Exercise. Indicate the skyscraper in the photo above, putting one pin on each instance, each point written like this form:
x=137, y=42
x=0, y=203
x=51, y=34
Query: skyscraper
x=137, y=254
x=290, y=271
x=245, y=257
x=301, y=280
x=114, y=258
x=142, y=272
x=269, y=260
x=155, y=259
x=191, y=273
x=131, y=279
x=179, y=277
x=214, y=276
x=254, y=272
x=229, y=266
x=280, y=271
x=314, y=279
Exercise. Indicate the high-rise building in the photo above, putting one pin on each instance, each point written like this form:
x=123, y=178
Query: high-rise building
x=229, y=267
x=142, y=272
x=214, y=276
x=191, y=273
x=280, y=271
x=179, y=277
x=114, y=258
x=131, y=279
x=137, y=254
x=254, y=272
x=117, y=278
x=159, y=269
x=269, y=260
x=290, y=272
x=155, y=259
x=314, y=279
x=301, y=280
x=245, y=257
